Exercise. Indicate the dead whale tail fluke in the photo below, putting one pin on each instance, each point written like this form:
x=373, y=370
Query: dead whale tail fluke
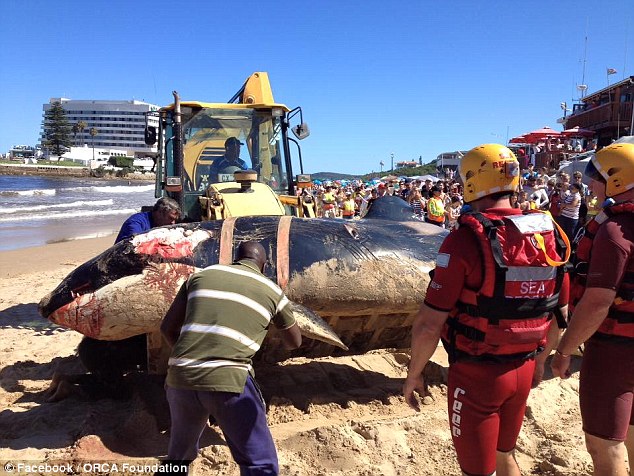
x=391, y=208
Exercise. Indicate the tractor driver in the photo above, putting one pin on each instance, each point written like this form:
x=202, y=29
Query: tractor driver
x=230, y=162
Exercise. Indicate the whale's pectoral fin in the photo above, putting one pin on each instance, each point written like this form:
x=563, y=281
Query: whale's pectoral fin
x=313, y=326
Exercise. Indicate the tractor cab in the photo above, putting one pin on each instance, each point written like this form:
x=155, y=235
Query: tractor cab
x=229, y=159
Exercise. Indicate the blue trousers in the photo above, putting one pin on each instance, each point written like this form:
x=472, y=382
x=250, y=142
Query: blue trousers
x=240, y=416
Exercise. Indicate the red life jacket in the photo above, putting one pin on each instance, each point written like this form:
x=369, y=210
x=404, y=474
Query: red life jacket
x=509, y=316
x=619, y=323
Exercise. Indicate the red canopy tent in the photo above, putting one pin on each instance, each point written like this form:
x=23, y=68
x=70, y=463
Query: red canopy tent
x=518, y=140
x=541, y=135
x=578, y=132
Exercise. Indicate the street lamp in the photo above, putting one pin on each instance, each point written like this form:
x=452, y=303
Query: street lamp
x=564, y=107
x=392, y=156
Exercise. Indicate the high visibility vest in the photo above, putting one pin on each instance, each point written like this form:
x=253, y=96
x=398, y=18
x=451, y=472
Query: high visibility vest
x=348, y=207
x=436, y=210
x=329, y=200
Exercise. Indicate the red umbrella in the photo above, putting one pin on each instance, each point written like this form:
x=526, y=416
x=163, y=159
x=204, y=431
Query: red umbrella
x=518, y=140
x=578, y=132
x=541, y=134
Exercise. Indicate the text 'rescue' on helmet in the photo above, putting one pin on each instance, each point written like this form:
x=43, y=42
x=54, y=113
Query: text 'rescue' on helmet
x=489, y=169
x=613, y=165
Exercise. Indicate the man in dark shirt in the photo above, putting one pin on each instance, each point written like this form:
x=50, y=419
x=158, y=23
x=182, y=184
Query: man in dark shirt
x=230, y=162
x=166, y=211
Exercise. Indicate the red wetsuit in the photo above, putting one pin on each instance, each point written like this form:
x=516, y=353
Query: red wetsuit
x=486, y=399
x=607, y=372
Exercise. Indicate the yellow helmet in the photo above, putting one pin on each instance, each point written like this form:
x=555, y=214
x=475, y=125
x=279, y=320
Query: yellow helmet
x=488, y=169
x=613, y=165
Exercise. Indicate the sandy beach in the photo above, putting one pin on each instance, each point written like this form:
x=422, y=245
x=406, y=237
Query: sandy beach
x=335, y=416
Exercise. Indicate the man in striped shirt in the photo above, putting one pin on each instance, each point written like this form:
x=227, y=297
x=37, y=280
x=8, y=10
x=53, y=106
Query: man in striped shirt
x=215, y=325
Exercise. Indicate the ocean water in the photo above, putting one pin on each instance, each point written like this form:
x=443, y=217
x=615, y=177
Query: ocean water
x=38, y=210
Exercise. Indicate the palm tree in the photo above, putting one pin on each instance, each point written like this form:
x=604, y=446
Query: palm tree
x=78, y=128
x=93, y=132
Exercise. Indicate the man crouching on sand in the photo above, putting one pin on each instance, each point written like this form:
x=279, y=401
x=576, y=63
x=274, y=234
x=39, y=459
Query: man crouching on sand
x=215, y=325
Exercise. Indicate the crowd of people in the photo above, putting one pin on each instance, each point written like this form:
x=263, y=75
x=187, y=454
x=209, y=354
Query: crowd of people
x=437, y=202
x=570, y=201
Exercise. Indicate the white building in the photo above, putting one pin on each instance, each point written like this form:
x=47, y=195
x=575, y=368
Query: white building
x=120, y=125
x=449, y=159
x=92, y=157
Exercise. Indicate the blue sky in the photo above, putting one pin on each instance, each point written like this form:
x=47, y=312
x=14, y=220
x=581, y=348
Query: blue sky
x=411, y=78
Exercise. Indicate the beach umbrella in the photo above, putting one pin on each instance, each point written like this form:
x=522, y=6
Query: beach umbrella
x=518, y=140
x=422, y=178
x=578, y=132
x=540, y=135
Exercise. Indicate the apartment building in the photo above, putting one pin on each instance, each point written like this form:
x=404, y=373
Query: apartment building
x=120, y=125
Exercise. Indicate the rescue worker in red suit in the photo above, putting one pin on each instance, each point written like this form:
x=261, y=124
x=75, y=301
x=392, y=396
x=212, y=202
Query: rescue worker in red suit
x=499, y=278
x=602, y=305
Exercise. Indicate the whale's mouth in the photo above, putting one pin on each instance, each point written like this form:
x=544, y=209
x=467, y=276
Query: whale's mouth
x=81, y=314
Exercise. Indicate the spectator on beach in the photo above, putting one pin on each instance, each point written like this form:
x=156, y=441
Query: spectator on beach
x=435, y=208
x=555, y=199
x=569, y=210
x=426, y=189
x=585, y=195
x=453, y=212
x=494, y=348
x=215, y=325
x=543, y=173
x=513, y=200
x=522, y=201
x=166, y=211
x=528, y=184
x=602, y=298
x=454, y=191
x=348, y=207
x=529, y=172
x=403, y=190
x=417, y=202
x=329, y=202
x=537, y=193
x=365, y=208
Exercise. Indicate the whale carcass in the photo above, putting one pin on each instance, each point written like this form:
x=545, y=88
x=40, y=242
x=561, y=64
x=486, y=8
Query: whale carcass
x=364, y=278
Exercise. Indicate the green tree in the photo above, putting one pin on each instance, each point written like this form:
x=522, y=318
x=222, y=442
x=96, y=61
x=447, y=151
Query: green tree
x=58, y=130
x=93, y=132
x=78, y=127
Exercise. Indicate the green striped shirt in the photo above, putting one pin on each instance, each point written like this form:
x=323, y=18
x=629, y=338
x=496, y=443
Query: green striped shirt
x=229, y=309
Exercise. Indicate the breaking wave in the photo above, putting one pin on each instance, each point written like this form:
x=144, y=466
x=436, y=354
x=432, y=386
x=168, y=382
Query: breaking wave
x=34, y=208
x=27, y=193
x=68, y=214
x=113, y=189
